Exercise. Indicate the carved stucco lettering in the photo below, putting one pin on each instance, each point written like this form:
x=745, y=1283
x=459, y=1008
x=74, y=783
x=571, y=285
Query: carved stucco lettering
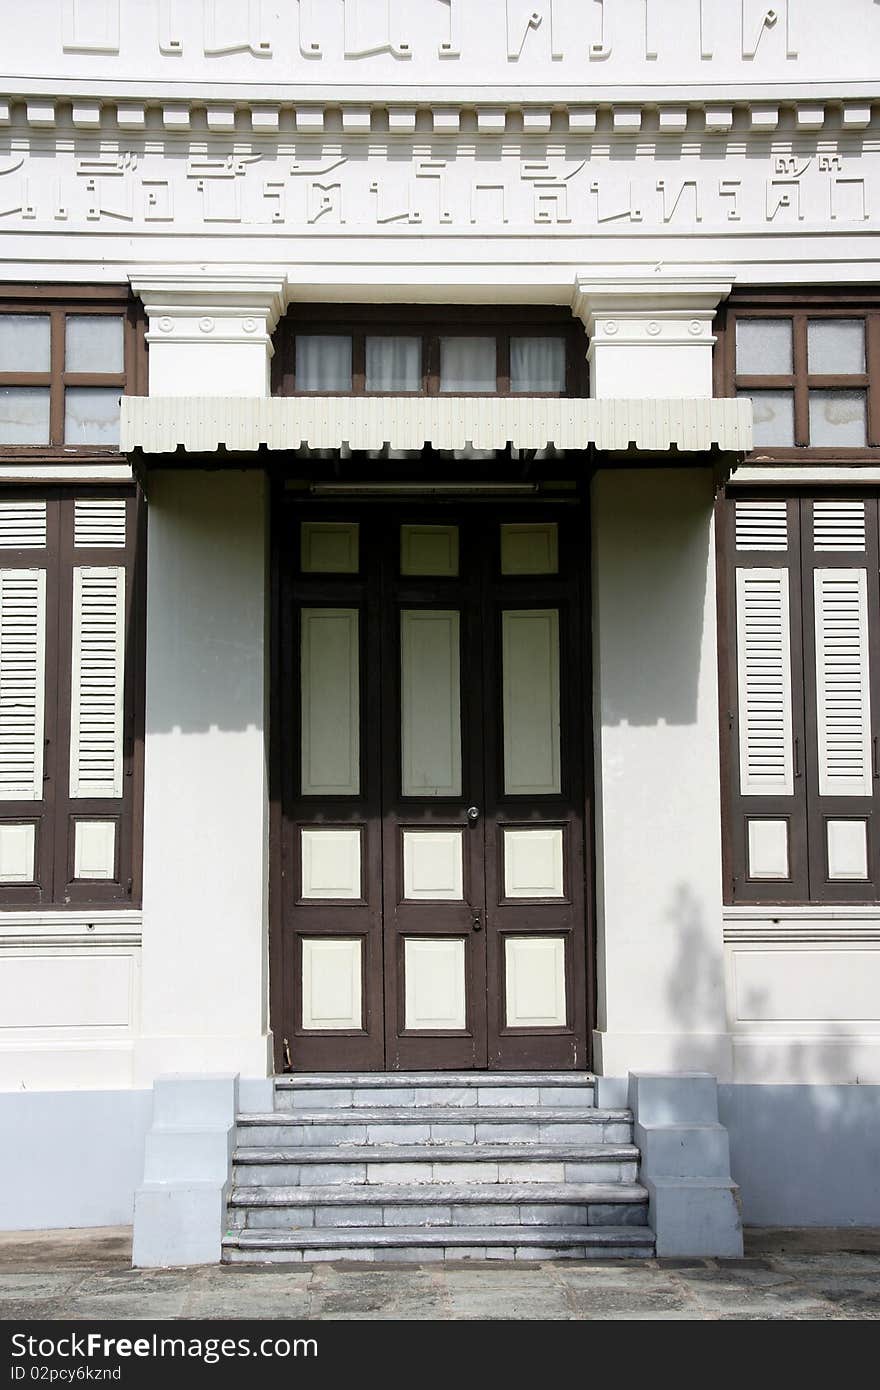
x=428, y=187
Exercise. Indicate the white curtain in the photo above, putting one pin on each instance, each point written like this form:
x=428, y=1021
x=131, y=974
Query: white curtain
x=537, y=364
x=323, y=362
x=394, y=364
x=467, y=364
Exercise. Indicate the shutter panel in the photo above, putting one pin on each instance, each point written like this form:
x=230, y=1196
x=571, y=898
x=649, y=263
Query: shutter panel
x=99, y=523
x=22, y=683
x=843, y=698
x=22, y=525
x=839, y=525
x=764, y=682
x=97, y=681
x=761, y=525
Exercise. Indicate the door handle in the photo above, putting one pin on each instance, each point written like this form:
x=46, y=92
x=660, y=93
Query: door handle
x=476, y=924
x=473, y=813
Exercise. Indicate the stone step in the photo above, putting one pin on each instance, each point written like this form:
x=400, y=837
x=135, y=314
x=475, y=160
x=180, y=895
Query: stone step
x=433, y=1243
x=420, y=1164
x=475, y=1204
x=317, y=1091
x=436, y=1124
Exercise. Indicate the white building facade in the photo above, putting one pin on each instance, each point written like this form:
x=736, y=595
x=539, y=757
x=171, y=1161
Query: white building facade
x=439, y=580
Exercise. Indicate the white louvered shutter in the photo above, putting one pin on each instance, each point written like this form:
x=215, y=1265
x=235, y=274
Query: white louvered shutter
x=843, y=698
x=97, y=681
x=22, y=683
x=99, y=523
x=764, y=682
x=22, y=524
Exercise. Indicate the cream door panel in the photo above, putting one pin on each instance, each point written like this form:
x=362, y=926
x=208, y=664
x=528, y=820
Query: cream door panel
x=329, y=547
x=331, y=864
x=530, y=548
x=534, y=976
x=847, y=849
x=768, y=849
x=530, y=659
x=433, y=866
x=430, y=702
x=429, y=550
x=434, y=972
x=330, y=702
x=17, y=849
x=332, y=984
x=94, y=849
x=533, y=866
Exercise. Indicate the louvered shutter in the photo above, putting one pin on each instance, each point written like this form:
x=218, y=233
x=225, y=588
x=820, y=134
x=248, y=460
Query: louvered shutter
x=97, y=681
x=766, y=843
x=22, y=683
x=841, y=658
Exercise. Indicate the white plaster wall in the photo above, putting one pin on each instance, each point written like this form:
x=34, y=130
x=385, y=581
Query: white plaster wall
x=204, y=1000
x=71, y=1158
x=658, y=852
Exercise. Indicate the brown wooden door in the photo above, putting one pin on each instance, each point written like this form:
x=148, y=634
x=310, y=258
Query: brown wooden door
x=433, y=912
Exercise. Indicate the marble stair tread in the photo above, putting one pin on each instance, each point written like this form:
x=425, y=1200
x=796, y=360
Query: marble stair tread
x=440, y=1152
x=389, y=1237
x=440, y=1114
x=400, y=1080
x=411, y=1194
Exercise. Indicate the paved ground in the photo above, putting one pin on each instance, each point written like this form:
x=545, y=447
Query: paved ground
x=785, y=1275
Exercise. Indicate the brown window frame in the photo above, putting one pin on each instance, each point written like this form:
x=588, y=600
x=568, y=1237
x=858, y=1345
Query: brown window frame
x=800, y=306
x=430, y=323
x=56, y=303
x=55, y=885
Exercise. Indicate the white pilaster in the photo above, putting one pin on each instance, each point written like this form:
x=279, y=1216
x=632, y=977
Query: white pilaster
x=650, y=334
x=210, y=334
x=660, y=949
x=205, y=979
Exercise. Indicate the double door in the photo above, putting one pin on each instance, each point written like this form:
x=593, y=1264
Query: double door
x=432, y=789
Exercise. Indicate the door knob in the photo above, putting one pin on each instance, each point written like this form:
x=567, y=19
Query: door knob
x=473, y=813
x=476, y=924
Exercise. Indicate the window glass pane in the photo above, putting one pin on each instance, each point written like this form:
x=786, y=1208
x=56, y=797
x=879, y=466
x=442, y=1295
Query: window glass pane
x=93, y=343
x=394, y=364
x=839, y=419
x=774, y=417
x=323, y=362
x=835, y=346
x=467, y=364
x=537, y=364
x=763, y=347
x=24, y=415
x=24, y=342
x=91, y=415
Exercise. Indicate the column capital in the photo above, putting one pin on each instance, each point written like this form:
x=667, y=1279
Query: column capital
x=671, y=314
x=210, y=333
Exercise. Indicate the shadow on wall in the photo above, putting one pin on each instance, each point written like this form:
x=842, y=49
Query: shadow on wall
x=695, y=993
x=652, y=536
x=206, y=610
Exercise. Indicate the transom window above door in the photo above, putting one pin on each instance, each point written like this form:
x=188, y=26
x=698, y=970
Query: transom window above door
x=810, y=365
x=428, y=351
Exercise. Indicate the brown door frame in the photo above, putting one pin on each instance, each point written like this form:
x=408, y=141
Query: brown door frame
x=363, y=1050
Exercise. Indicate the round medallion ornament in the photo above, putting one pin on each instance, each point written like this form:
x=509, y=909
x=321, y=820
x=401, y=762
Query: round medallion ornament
x=249, y=325
x=206, y=325
x=653, y=328
x=611, y=327
x=166, y=325
x=695, y=328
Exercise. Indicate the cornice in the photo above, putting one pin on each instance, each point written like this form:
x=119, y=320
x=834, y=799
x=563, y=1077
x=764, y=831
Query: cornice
x=370, y=112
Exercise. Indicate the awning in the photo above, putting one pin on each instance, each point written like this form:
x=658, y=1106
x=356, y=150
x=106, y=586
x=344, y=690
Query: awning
x=205, y=424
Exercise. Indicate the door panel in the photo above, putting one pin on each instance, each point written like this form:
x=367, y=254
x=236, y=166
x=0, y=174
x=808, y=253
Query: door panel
x=433, y=789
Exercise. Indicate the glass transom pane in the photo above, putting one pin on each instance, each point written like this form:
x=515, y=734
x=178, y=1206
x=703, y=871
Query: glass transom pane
x=394, y=364
x=537, y=364
x=763, y=347
x=24, y=415
x=24, y=342
x=323, y=362
x=468, y=364
x=91, y=415
x=836, y=346
x=93, y=343
x=773, y=417
x=838, y=419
